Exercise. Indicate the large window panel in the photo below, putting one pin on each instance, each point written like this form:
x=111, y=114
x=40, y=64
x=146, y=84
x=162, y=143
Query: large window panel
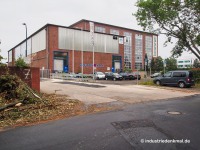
x=73, y=39
x=128, y=50
x=155, y=45
x=148, y=47
x=138, y=51
x=39, y=41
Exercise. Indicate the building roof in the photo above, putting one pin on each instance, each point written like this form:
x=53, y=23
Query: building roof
x=45, y=26
x=84, y=20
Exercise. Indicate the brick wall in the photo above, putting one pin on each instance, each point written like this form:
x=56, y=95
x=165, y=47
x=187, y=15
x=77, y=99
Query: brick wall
x=85, y=25
x=31, y=76
x=100, y=58
x=39, y=59
x=52, y=44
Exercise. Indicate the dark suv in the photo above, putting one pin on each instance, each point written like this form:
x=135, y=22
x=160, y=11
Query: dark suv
x=178, y=78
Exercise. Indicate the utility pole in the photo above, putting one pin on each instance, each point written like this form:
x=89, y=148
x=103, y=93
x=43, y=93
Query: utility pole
x=26, y=38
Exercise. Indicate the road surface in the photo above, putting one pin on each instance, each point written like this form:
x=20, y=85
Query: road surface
x=131, y=127
x=94, y=93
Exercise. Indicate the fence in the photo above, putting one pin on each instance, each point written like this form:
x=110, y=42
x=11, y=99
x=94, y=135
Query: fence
x=71, y=76
x=45, y=73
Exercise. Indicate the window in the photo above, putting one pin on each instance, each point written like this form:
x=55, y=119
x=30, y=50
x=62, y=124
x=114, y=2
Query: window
x=155, y=44
x=168, y=74
x=148, y=46
x=115, y=32
x=138, y=65
x=138, y=51
x=179, y=66
x=179, y=74
x=128, y=50
x=180, y=61
x=100, y=29
x=187, y=61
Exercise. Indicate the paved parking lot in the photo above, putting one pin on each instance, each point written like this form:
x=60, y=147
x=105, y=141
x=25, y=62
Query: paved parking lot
x=111, y=91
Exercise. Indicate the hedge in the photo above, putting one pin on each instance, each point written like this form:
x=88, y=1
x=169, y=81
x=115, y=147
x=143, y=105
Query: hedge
x=196, y=74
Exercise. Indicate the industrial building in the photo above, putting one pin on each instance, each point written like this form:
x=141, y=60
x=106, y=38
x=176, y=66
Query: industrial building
x=84, y=46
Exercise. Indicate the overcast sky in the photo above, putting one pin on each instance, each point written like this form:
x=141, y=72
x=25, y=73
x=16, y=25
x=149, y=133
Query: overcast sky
x=37, y=13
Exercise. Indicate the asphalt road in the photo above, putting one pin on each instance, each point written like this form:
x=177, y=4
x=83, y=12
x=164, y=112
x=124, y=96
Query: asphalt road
x=125, y=129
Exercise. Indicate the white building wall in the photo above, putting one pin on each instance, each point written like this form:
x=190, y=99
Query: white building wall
x=184, y=63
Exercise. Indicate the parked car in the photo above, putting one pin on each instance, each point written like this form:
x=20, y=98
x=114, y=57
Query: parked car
x=155, y=75
x=136, y=75
x=127, y=76
x=113, y=76
x=178, y=78
x=99, y=75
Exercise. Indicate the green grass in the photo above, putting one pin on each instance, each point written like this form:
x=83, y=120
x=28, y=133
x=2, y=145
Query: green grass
x=147, y=83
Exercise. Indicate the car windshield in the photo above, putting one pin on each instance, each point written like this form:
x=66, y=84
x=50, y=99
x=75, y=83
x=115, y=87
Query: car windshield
x=100, y=73
x=116, y=74
x=123, y=73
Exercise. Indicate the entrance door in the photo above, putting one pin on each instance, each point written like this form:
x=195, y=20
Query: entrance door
x=58, y=65
x=117, y=65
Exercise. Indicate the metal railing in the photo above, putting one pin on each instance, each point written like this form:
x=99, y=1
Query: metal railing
x=68, y=76
x=45, y=73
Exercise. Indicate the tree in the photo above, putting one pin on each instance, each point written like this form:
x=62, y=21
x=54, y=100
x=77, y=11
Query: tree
x=171, y=64
x=1, y=64
x=196, y=63
x=20, y=63
x=176, y=19
x=153, y=65
x=157, y=64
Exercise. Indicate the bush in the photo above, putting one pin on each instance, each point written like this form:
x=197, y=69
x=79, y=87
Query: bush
x=20, y=63
x=196, y=74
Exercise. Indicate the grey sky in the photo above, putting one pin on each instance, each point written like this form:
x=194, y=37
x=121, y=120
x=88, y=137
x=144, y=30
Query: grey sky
x=37, y=13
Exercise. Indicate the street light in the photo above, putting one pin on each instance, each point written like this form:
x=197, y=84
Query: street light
x=26, y=38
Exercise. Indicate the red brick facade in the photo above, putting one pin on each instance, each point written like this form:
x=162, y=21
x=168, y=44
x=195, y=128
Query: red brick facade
x=84, y=24
x=45, y=58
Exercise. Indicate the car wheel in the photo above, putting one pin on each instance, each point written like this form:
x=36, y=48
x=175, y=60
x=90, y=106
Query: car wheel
x=158, y=82
x=181, y=84
x=114, y=79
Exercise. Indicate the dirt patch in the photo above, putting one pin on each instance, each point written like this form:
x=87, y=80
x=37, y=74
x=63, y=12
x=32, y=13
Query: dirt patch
x=52, y=107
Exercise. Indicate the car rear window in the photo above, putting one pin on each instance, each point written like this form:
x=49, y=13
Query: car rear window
x=179, y=74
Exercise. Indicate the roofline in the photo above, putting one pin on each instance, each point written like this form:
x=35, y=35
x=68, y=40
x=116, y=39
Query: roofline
x=45, y=26
x=82, y=20
x=29, y=36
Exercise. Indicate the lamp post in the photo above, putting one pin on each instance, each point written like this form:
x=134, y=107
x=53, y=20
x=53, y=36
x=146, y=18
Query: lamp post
x=26, y=38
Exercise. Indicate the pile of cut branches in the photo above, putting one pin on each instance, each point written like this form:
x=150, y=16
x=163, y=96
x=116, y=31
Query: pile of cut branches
x=14, y=91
